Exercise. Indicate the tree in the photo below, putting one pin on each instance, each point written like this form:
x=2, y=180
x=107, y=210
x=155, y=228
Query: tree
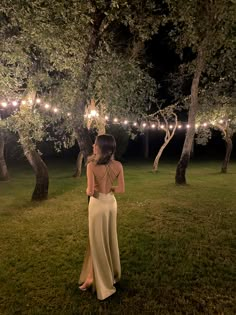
x=166, y=120
x=3, y=166
x=30, y=127
x=23, y=71
x=86, y=26
x=206, y=27
x=217, y=112
x=119, y=87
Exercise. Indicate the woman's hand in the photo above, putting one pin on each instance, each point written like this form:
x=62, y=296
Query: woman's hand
x=89, y=193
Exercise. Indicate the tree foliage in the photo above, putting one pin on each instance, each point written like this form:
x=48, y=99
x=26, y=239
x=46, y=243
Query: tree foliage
x=218, y=112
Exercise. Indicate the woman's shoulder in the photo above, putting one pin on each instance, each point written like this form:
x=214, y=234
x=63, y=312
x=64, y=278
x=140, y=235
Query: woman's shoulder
x=91, y=164
x=116, y=163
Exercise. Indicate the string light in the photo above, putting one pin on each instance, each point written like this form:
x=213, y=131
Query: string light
x=95, y=114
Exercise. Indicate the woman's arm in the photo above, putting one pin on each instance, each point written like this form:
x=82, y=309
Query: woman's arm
x=90, y=180
x=120, y=188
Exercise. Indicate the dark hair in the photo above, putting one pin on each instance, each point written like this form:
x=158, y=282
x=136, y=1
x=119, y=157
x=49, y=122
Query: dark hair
x=107, y=146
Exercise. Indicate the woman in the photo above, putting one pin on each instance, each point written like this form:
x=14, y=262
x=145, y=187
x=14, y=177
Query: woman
x=101, y=266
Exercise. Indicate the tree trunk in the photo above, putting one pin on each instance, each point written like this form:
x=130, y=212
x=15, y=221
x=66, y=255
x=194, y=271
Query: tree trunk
x=157, y=158
x=184, y=159
x=168, y=137
x=79, y=163
x=40, y=169
x=102, y=128
x=42, y=181
x=83, y=138
x=86, y=149
x=3, y=166
x=229, y=147
x=146, y=144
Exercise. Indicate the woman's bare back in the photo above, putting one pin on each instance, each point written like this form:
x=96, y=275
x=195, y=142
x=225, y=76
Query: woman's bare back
x=101, y=178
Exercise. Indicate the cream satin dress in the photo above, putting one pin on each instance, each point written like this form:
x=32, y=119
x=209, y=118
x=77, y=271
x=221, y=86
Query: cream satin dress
x=103, y=243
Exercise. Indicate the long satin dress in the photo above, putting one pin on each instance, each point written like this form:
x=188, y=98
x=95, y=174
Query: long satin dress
x=103, y=245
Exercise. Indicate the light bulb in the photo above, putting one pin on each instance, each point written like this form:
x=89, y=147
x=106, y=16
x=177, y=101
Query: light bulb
x=93, y=113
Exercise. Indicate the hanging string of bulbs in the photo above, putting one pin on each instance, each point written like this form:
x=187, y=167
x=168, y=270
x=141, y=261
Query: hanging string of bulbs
x=93, y=114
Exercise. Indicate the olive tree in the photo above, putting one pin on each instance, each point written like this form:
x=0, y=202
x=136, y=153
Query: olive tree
x=206, y=27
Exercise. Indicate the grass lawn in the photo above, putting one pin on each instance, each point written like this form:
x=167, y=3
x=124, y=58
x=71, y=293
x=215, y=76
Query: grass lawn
x=177, y=243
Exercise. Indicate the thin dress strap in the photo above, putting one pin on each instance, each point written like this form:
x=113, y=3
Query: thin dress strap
x=108, y=172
